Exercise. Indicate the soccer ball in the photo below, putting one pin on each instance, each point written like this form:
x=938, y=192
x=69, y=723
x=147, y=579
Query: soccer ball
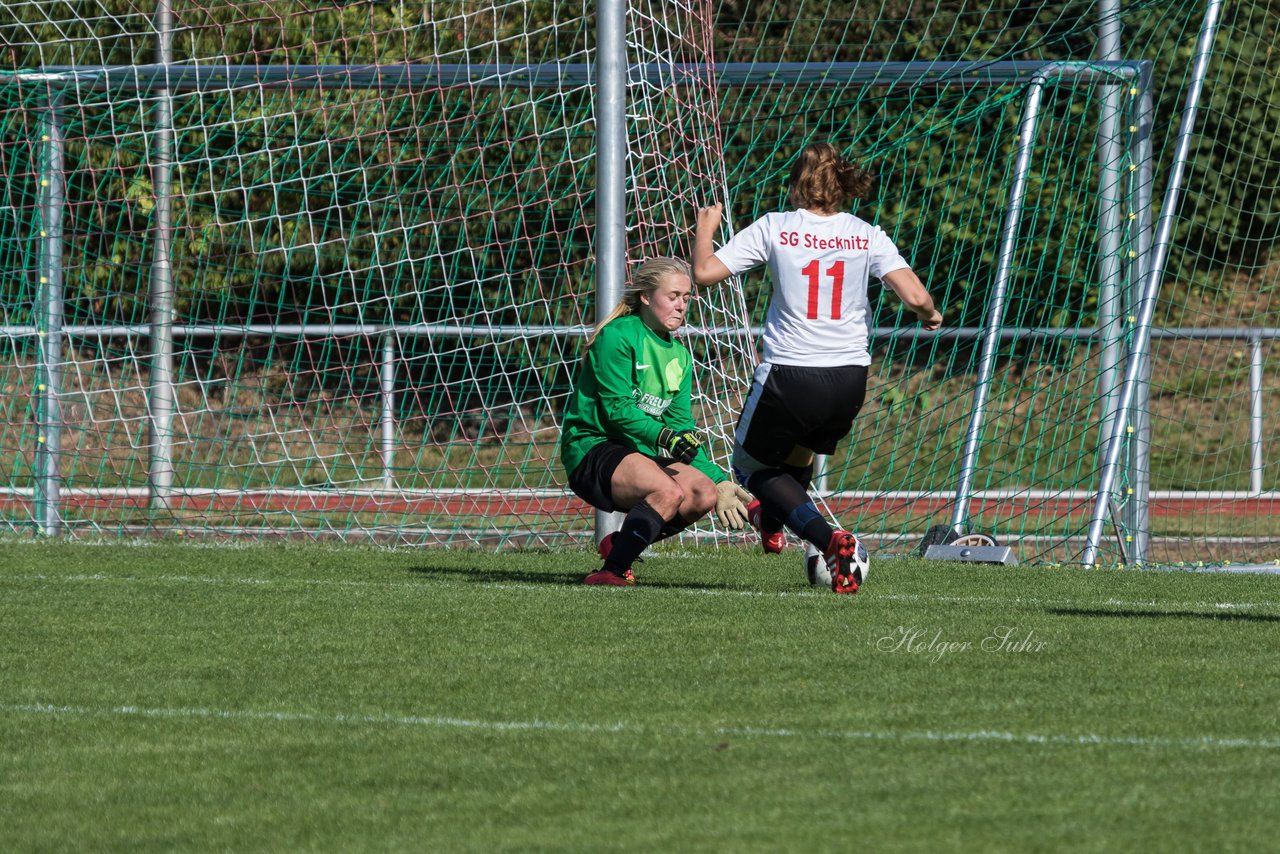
x=815, y=568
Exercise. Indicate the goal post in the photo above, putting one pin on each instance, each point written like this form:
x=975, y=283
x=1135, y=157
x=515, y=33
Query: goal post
x=611, y=177
x=49, y=312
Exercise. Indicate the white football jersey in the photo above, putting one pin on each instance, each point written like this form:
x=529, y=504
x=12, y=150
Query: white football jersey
x=820, y=265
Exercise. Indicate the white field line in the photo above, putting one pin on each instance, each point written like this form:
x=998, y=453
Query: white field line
x=1030, y=601
x=438, y=722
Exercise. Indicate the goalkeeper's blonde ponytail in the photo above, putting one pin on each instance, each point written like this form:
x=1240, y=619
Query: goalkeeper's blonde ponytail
x=644, y=281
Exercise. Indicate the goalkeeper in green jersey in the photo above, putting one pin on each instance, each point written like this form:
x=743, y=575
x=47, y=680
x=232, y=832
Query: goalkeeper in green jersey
x=628, y=442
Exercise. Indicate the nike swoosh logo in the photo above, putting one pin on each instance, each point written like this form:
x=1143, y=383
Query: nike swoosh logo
x=641, y=367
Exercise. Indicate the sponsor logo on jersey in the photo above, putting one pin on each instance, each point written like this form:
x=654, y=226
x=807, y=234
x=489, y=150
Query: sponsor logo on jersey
x=651, y=404
x=640, y=367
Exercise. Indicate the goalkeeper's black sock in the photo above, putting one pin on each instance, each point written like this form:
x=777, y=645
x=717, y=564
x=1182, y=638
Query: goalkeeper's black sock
x=641, y=527
x=782, y=496
x=672, y=528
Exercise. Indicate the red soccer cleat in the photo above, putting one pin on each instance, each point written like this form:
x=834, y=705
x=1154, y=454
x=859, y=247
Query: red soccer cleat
x=841, y=557
x=607, y=576
x=771, y=543
x=604, y=547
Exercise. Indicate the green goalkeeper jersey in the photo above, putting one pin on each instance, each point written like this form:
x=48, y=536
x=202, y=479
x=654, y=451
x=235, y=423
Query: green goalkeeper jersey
x=631, y=383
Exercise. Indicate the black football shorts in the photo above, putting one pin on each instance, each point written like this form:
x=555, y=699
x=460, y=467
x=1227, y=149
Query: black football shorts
x=592, y=480
x=791, y=405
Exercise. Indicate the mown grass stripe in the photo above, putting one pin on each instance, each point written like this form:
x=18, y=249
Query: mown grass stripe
x=983, y=736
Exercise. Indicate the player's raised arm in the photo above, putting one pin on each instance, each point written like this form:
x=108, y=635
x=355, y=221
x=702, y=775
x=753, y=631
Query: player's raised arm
x=707, y=268
x=907, y=285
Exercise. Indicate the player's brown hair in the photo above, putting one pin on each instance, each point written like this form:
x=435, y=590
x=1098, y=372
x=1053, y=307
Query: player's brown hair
x=645, y=280
x=822, y=179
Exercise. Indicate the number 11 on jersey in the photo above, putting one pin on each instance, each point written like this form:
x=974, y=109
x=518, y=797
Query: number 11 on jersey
x=836, y=272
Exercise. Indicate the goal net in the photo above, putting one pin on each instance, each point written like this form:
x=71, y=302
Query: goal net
x=1195, y=483
x=377, y=227
x=381, y=280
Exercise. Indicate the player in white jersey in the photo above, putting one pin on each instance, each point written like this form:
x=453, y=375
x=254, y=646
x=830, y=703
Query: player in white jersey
x=812, y=382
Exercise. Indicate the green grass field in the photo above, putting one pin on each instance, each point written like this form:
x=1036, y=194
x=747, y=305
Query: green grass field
x=174, y=697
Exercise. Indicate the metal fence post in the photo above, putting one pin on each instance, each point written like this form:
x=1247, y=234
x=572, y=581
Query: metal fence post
x=387, y=420
x=1256, y=459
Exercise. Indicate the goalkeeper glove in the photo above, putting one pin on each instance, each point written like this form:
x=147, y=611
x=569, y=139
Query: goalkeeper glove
x=731, y=504
x=683, y=445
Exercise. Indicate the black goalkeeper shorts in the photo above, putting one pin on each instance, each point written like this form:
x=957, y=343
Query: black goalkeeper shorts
x=592, y=480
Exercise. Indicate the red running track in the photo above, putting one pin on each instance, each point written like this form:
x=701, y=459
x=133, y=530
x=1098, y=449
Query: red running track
x=499, y=504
